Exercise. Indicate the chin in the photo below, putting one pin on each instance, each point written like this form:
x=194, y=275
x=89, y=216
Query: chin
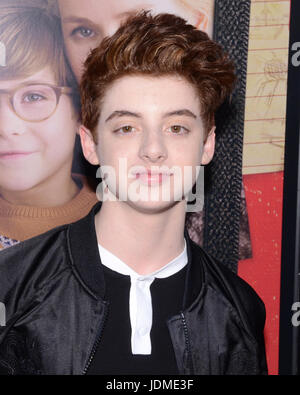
x=148, y=207
x=143, y=201
x=17, y=186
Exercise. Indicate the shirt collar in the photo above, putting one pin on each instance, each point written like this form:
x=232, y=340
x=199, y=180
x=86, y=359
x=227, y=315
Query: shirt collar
x=84, y=253
x=111, y=261
x=140, y=299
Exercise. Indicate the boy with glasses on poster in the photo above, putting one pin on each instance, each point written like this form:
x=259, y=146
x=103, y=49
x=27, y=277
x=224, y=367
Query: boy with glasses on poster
x=39, y=107
x=125, y=290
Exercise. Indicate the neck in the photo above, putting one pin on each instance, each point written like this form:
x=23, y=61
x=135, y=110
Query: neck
x=56, y=191
x=144, y=241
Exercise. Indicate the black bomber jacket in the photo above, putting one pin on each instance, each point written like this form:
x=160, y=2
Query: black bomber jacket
x=53, y=290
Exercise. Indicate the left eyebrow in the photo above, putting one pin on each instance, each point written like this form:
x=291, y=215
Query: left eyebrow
x=122, y=113
x=185, y=112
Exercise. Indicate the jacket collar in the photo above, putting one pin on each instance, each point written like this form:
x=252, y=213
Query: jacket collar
x=84, y=252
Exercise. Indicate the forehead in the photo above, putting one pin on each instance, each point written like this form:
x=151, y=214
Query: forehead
x=102, y=11
x=46, y=76
x=150, y=94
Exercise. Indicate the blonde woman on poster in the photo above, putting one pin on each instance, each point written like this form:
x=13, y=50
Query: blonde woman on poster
x=85, y=26
x=38, y=125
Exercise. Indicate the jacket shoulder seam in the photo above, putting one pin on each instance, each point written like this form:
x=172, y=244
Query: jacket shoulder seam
x=73, y=267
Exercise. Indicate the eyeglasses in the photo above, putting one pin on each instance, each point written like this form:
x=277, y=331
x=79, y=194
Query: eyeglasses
x=35, y=102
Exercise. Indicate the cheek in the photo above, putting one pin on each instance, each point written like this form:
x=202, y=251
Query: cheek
x=77, y=55
x=110, y=150
x=112, y=158
x=58, y=145
x=65, y=116
x=60, y=131
x=189, y=153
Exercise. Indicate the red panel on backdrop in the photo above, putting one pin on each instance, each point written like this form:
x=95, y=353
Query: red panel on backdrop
x=262, y=272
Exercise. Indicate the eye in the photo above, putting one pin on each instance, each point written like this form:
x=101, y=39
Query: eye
x=178, y=129
x=33, y=98
x=125, y=129
x=83, y=32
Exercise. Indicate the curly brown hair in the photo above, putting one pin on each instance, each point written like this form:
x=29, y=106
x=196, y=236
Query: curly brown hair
x=157, y=45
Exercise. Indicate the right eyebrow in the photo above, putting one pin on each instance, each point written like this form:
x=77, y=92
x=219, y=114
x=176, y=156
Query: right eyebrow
x=122, y=113
x=77, y=19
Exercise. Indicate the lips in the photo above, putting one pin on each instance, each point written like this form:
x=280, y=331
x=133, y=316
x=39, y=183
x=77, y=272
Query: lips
x=149, y=177
x=152, y=173
x=14, y=154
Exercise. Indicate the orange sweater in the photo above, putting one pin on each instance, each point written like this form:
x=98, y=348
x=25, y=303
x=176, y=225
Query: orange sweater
x=18, y=223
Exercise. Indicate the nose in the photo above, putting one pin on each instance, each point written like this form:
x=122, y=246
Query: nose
x=10, y=123
x=153, y=148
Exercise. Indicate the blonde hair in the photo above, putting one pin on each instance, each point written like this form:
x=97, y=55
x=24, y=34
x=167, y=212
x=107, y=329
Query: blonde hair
x=52, y=7
x=33, y=40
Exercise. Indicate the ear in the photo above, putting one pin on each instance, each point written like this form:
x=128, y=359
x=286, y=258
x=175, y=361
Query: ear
x=209, y=147
x=88, y=145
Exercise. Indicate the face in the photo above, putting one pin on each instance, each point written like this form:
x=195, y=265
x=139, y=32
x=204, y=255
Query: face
x=85, y=27
x=153, y=125
x=32, y=152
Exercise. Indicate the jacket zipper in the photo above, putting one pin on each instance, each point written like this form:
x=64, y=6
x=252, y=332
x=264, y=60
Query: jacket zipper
x=98, y=339
x=187, y=342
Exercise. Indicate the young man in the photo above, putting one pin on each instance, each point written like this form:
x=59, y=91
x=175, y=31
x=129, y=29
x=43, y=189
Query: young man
x=85, y=24
x=125, y=290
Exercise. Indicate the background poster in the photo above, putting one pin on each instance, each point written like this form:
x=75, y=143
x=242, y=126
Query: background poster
x=32, y=33
x=84, y=24
x=263, y=157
